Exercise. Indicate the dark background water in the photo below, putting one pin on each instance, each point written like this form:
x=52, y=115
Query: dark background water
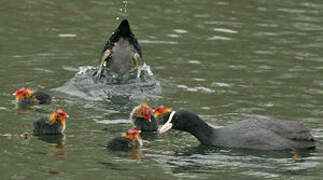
x=224, y=60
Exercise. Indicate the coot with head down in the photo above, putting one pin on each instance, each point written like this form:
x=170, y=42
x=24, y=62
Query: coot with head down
x=121, y=53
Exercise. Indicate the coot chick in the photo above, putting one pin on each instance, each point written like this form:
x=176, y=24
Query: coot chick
x=260, y=134
x=129, y=140
x=26, y=98
x=54, y=124
x=121, y=53
x=142, y=118
x=160, y=112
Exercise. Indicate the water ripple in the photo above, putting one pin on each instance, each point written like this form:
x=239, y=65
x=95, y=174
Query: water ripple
x=156, y=42
x=225, y=30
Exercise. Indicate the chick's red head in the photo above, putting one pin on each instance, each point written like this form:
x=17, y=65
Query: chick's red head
x=133, y=134
x=61, y=114
x=160, y=110
x=21, y=93
x=145, y=112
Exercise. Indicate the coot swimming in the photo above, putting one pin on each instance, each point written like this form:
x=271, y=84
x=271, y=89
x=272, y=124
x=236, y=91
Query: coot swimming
x=261, y=134
x=141, y=117
x=26, y=98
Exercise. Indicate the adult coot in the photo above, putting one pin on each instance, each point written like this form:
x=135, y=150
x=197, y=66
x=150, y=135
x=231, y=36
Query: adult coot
x=54, y=124
x=26, y=98
x=141, y=117
x=121, y=53
x=262, y=134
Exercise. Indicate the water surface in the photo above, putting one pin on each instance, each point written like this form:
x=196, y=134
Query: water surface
x=224, y=60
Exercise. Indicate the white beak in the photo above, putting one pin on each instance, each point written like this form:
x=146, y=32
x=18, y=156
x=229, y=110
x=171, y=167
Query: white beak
x=168, y=125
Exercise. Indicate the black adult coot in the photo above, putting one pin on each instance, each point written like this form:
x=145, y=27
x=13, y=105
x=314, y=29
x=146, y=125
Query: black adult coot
x=141, y=117
x=121, y=53
x=54, y=124
x=26, y=98
x=129, y=140
x=261, y=134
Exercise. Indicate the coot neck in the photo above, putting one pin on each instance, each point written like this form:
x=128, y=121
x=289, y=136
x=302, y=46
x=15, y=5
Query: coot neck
x=201, y=130
x=197, y=127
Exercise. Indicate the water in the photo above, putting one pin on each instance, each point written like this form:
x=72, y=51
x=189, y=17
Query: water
x=224, y=60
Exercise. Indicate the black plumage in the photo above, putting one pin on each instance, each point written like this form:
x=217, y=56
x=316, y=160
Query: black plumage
x=129, y=140
x=146, y=125
x=54, y=124
x=142, y=118
x=121, y=144
x=43, y=98
x=42, y=126
x=260, y=133
x=26, y=98
x=123, y=31
x=121, y=53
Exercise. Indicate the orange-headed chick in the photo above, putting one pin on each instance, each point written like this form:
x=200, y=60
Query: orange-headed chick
x=54, y=124
x=129, y=140
x=141, y=116
x=160, y=112
x=26, y=97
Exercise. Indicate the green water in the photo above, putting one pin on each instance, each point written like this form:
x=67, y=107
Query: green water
x=224, y=60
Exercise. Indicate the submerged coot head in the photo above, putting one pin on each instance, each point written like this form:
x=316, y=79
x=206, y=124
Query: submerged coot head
x=124, y=29
x=121, y=53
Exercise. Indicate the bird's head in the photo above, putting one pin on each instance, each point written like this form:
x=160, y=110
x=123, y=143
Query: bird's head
x=169, y=119
x=58, y=116
x=161, y=111
x=22, y=93
x=133, y=134
x=142, y=111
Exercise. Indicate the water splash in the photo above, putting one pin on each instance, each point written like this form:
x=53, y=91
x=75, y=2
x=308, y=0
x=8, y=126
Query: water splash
x=133, y=85
x=123, y=9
